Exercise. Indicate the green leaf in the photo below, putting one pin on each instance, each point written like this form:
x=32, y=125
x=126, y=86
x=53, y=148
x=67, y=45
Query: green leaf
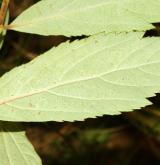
x=14, y=146
x=104, y=74
x=77, y=17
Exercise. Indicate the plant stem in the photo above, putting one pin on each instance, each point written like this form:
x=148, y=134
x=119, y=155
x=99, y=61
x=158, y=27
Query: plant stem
x=3, y=11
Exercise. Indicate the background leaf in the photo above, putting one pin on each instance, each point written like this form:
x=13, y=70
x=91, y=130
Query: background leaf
x=15, y=149
x=77, y=17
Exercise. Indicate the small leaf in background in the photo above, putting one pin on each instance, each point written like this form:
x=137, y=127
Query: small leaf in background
x=104, y=74
x=15, y=148
x=77, y=17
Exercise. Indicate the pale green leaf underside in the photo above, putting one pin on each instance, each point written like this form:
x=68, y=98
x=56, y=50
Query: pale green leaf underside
x=15, y=149
x=104, y=74
x=87, y=17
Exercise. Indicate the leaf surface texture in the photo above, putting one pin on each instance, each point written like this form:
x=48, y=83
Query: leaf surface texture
x=15, y=148
x=79, y=17
x=103, y=74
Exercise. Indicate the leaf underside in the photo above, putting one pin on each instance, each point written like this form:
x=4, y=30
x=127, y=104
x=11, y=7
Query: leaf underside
x=104, y=74
x=77, y=17
x=14, y=146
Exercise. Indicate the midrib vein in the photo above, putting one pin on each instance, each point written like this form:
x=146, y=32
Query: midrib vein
x=67, y=83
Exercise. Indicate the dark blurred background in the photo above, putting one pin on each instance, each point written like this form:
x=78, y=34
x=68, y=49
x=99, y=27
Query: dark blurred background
x=130, y=138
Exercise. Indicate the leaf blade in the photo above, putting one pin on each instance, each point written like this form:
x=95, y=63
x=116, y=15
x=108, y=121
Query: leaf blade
x=76, y=17
x=15, y=148
x=86, y=78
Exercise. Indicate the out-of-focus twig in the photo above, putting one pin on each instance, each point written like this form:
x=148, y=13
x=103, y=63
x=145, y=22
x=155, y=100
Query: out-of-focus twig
x=3, y=11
